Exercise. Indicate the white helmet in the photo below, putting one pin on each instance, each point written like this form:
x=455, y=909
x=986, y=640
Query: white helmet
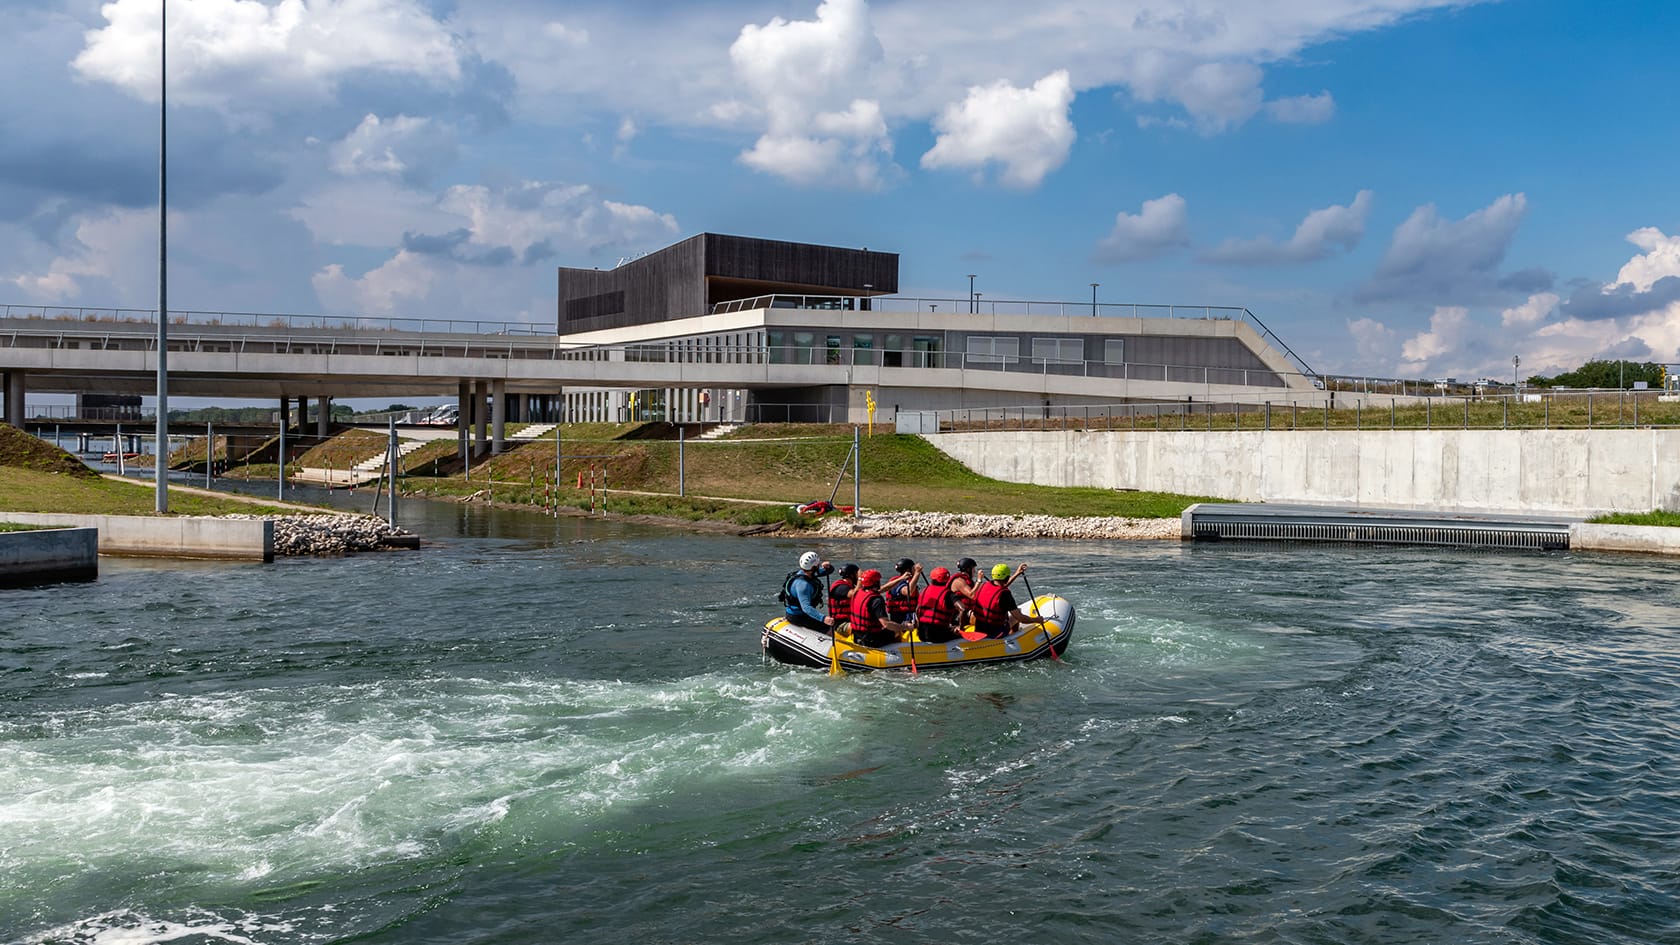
x=809, y=561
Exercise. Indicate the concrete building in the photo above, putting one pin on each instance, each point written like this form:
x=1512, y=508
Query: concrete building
x=731, y=299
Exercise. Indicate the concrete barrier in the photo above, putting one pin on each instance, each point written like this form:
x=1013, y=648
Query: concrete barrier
x=1566, y=472
x=168, y=536
x=1650, y=539
x=47, y=555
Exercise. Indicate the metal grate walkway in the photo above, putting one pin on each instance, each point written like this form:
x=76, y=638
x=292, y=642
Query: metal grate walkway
x=1380, y=526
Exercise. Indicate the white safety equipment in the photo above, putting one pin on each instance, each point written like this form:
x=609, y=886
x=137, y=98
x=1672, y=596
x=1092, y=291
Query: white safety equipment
x=809, y=561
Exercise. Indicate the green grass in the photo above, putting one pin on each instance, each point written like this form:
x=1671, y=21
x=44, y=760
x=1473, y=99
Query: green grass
x=19, y=527
x=28, y=490
x=1661, y=518
x=899, y=472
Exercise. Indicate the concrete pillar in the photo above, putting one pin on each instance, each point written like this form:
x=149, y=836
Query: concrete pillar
x=481, y=437
x=15, y=387
x=323, y=415
x=498, y=414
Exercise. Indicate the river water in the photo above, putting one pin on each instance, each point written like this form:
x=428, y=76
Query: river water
x=540, y=730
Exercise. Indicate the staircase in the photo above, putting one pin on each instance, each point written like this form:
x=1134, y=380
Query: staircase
x=374, y=464
x=532, y=431
x=722, y=429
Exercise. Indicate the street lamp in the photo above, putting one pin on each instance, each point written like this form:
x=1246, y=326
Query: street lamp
x=161, y=468
x=1094, y=298
x=1515, y=362
x=972, y=307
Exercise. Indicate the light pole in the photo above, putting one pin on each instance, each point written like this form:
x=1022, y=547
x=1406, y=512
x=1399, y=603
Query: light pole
x=1515, y=362
x=1094, y=298
x=972, y=308
x=161, y=468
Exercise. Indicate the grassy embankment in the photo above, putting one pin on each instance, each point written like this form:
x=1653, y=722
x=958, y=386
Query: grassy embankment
x=756, y=474
x=36, y=476
x=1557, y=411
x=1659, y=518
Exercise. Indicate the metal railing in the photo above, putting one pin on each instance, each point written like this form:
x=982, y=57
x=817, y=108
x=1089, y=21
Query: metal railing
x=148, y=316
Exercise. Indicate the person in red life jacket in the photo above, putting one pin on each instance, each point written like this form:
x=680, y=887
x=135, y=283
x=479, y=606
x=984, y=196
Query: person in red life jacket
x=995, y=612
x=937, y=609
x=870, y=624
x=963, y=586
x=901, y=590
x=841, y=591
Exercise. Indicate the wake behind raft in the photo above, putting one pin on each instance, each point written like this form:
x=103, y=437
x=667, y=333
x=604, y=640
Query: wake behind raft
x=800, y=646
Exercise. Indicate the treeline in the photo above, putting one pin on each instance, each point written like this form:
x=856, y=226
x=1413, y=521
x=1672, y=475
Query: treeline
x=1601, y=374
x=244, y=415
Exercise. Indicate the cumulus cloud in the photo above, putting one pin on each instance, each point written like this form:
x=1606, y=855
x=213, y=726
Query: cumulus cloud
x=411, y=149
x=1446, y=332
x=1303, y=109
x=1436, y=260
x=1160, y=226
x=1660, y=260
x=108, y=253
x=802, y=75
x=1532, y=312
x=244, y=53
x=1026, y=132
x=1319, y=235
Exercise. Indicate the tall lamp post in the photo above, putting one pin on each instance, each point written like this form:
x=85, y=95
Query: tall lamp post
x=161, y=469
x=972, y=308
x=1094, y=298
x=1515, y=362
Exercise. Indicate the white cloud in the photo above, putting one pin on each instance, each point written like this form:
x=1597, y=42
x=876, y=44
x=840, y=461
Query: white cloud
x=244, y=53
x=1026, y=131
x=405, y=147
x=1160, y=226
x=108, y=255
x=1318, y=236
x=402, y=280
x=802, y=76
x=1660, y=260
x=1303, y=109
x=1447, y=261
x=1532, y=312
x=1446, y=331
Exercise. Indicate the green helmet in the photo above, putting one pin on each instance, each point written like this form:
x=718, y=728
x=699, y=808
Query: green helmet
x=1000, y=572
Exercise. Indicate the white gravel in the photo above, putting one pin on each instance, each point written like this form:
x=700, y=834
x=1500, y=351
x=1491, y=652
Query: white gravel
x=961, y=525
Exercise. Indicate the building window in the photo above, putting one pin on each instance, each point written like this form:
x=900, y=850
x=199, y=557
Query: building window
x=803, y=345
x=983, y=349
x=1114, y=351
x=926, y=352
x=832, y=355
x=862, y=346
x=1063, y=350
x=892, y=354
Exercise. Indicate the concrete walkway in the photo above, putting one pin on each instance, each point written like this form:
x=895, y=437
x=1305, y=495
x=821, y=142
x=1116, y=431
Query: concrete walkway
x=234, y=496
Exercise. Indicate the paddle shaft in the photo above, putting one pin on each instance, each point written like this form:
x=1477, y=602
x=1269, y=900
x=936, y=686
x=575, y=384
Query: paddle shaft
x=1040, y=615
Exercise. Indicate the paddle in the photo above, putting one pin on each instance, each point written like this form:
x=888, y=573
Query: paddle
x=833, y=640
x=1040, y=615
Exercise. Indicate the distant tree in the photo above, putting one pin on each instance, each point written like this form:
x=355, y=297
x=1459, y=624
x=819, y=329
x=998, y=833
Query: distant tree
x=1602, y=374
x=396, y=408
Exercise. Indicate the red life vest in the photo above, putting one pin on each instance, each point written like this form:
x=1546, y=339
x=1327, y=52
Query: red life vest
x=900, y=605
x=862, y=622
x=936, y=609
x=838, y=593
x=989, y=616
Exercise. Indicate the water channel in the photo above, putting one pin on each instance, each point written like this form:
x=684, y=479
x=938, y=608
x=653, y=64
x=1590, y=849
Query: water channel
x=541, y=730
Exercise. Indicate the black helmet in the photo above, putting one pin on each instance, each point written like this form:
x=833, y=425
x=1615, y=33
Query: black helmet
x=848, y=571
x=967, y=566
x=904, y=566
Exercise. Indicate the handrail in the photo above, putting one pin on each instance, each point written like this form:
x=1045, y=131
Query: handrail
x=148, y=316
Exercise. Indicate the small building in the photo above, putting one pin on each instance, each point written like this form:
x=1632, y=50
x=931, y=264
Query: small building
x=828, y=323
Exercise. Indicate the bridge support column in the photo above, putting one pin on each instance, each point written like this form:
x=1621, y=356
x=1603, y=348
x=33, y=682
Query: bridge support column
x=323, y=415
x=14, y=384
x=481, y=390
x=498, y=414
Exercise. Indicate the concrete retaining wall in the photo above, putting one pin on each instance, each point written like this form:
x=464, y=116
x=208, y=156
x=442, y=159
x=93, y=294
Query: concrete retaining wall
x=1566, y=472
x=168, y=536
x=1650, y=539
x=58, y=554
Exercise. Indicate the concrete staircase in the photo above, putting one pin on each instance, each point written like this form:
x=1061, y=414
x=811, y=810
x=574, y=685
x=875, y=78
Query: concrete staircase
x=372, y=466
x=532, y=431
x=722, y=429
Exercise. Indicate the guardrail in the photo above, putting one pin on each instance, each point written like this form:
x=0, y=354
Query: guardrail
x=148, y=316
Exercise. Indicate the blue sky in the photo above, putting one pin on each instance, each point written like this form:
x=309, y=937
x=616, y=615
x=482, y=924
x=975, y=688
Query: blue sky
x=1414, y=188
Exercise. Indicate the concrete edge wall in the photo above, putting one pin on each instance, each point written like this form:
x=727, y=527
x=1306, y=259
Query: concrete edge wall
x=1575, y=473
x=1650, y=539
x=39, y=557
x=168, y=536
